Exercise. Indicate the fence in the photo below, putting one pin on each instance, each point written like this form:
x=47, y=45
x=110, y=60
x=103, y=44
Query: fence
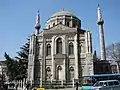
x=48, y=84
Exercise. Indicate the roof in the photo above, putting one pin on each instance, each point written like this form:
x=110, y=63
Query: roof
x=101, y=75
x=62, y=13
x=107, y=80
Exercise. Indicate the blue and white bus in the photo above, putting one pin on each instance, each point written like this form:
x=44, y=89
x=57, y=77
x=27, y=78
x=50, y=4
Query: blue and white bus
x=89, y=80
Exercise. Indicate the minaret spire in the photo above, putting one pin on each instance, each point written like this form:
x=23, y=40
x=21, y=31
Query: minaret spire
x=101, y=34
x=99, y=13
x=37, y=23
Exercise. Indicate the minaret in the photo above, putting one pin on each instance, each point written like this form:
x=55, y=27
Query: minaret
x=37, y=23
x=101, y=34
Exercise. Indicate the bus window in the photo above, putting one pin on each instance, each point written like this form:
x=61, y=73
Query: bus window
x=101, y=83
x=105, y=84
x=110, y=83
x=87, y=81
x=97, y=84
x=116, y=83
x=118, y=78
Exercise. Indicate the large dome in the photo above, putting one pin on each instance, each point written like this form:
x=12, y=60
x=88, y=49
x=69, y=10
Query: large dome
x=65, y=18
x=62, y=13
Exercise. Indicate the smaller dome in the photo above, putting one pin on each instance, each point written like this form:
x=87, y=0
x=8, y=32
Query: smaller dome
x=62, y=13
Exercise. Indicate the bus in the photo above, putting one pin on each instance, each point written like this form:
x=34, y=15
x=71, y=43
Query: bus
x=89, y=80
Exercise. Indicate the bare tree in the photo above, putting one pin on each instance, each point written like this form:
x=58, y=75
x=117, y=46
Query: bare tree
x=113, y=52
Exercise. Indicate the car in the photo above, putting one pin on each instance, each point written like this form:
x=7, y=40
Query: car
x=107, y=85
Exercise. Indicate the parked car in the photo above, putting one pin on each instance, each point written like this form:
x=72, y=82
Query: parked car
x=107, y=85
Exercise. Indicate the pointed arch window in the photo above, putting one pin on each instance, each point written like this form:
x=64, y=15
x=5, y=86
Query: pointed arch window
x=74, y=24
x=68, y=23
x=59, y=45
x=71, y=48
x=48, y=73
x=53, y=24
x=60, y=22
x=48, y=51
x=48, y=26
x=59, y=68
x=71, y=69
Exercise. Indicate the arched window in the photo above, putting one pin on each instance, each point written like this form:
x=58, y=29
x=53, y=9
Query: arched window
x=71, y=49
x=81, y=47
x=59, y=45
x=71, y=69
x=68, y=23
x=74, y=24
x=48, y=73
x=53, y=24
x=58, y=74
x=48, y=51
x=60, y=22
x=48, y=26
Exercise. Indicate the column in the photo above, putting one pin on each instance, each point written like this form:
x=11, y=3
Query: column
x=76, y=56
x=89, y=42
x=44, y=60
x=53, y=46
x=86, y=42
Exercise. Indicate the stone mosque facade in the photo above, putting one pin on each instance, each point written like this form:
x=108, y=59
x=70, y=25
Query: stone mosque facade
x=61, y=51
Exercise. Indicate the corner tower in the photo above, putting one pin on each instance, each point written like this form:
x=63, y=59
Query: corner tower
x=100, y=23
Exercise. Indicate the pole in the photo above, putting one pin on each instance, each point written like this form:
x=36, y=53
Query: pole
x=76, y=85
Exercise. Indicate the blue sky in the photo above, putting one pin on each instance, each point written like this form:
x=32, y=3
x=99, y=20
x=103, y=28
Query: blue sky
x=17, y=20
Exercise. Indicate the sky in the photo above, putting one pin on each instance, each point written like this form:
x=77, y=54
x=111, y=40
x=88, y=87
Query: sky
x=17, y=20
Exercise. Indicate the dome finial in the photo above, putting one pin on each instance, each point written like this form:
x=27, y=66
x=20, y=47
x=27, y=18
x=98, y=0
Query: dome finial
x=37, y=12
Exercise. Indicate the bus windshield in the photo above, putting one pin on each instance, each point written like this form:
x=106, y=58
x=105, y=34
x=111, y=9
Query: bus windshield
x=87, y=82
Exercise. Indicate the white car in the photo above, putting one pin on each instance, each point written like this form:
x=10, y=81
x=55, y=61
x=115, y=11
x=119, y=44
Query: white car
x=107, y=85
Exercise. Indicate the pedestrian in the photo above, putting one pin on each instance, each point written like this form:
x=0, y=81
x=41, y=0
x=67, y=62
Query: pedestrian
x=76, y=85
x=28, y=85
x=16, y=87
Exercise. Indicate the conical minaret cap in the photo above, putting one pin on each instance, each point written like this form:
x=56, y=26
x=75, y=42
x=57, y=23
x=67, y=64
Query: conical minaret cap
x=100, y=20
x=37, y=23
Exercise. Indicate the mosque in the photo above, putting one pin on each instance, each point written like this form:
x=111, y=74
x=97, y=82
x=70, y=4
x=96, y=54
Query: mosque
x=63, y=50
